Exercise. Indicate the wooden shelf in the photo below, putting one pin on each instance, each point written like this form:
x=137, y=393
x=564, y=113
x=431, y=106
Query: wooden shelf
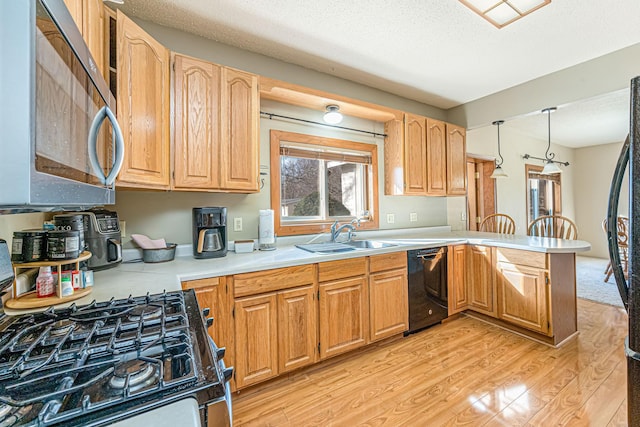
x=31, y=300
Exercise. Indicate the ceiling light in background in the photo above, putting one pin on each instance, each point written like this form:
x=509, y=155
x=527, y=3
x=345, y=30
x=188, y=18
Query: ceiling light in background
x=550, y=165
x=113, y=1
x=498, y=172
x=333, y=115
x=503, y=12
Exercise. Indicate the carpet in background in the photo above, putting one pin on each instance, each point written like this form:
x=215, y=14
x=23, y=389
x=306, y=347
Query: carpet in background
x=590, y=281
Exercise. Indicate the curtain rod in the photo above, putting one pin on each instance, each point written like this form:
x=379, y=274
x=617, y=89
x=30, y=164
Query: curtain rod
x=526, y=156
x=272, y=115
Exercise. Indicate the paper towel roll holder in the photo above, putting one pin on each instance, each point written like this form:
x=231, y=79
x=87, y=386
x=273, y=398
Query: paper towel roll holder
x=268, y=246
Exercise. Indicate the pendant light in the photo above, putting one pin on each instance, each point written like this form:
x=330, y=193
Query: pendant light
x=498, y=172
x=333, y=115
x=550, y=167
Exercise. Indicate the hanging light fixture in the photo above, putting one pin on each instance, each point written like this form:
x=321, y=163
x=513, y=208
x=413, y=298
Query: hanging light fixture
x=498, y=172
x=333, y=115
x=550, y=166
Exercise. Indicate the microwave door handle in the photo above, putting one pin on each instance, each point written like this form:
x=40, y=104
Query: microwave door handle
x=103, y=113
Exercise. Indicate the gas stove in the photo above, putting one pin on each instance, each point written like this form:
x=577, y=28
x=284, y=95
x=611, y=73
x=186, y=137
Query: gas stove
x=106, y=361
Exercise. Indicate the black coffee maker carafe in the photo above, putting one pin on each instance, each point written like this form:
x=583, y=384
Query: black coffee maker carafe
x=209, y=232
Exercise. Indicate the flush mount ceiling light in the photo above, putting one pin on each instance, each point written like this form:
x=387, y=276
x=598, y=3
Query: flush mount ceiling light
x=333, y=115
x=113, y=1
x=550, y=165
x=498, y=172
x=503, y=12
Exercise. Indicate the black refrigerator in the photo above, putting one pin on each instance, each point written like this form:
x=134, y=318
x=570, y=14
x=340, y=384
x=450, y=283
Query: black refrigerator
x=629, y=288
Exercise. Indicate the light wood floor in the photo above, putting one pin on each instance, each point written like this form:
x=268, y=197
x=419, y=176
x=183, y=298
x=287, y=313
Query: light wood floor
x=464, y=372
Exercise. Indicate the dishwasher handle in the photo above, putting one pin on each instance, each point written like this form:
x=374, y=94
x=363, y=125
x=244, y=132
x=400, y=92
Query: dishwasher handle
x=430, y=253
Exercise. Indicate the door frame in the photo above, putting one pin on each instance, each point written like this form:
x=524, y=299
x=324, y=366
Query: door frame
x=557, y=199
x=488, y=165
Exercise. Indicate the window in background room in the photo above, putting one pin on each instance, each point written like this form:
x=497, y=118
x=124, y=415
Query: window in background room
x=318, y=180
x=543, y=193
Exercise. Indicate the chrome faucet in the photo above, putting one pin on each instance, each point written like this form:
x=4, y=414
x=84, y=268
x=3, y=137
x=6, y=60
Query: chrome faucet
x=335, y=230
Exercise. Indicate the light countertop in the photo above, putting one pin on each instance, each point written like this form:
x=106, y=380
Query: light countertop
x=140, y=278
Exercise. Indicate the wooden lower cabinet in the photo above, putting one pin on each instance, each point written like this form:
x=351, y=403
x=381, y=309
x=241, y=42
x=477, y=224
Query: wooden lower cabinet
x=388, y=303
x=458, y=295
x=479, y=276
x=256, y=327
x=523, y=296
x=343, y=315
x=297, y=328
x=211, y=294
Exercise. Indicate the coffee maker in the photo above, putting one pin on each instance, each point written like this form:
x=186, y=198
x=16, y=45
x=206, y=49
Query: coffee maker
x=209, y=232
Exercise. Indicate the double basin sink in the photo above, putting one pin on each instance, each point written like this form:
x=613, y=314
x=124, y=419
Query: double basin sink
x=352, y=245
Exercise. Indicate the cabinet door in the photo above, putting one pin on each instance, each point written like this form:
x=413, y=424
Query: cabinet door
x=480, y=280
x=89, y=18
x=240, y=139
x=415, y=155
x=388, y=304
x=458, y=295
x=196, y=141
x=436, y=158
x=523, y=296
x=143, y=106
x=256, y=339
x=456, y=160
x=210, y=294
x=297, y=328
x=343, y=316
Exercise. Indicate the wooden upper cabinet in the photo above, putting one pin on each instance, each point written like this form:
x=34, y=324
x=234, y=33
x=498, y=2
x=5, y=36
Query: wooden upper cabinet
x=89, y=17
x=394, y=157
x=436, y=158
x=415, y=155
x=196, y=133
x=143, y=107
x=240, y=136
x=456, y=160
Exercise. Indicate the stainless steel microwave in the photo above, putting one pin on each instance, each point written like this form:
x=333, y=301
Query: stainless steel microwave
x=60, y=144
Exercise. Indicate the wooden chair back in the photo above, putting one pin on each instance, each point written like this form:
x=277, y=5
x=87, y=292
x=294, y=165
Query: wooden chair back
x=556, y=226
x=498, y=223
x=623, y=246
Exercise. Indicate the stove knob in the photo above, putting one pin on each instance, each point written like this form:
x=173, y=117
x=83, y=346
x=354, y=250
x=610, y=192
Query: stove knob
x=220, y=352
x=227, y=373
x=209, y=321
x=206, y=312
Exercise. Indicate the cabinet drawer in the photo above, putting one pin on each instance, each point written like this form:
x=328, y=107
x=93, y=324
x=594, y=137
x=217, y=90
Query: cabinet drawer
x=340, y=269
x=387, y=261
x=273, y=280
x=516, y=256
x=201, y=283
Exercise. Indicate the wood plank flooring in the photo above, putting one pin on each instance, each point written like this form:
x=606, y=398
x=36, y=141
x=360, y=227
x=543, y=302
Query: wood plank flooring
x=464, y=372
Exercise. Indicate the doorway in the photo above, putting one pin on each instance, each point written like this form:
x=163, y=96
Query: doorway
x=544, y=195
x=481, y=191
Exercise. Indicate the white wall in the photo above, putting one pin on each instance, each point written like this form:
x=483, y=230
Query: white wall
x=511, y=191
x=594, y=168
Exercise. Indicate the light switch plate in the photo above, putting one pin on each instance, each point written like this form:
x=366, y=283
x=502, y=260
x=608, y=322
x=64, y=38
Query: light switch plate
x=391, y=218
x=237, y=224
x=413, y=217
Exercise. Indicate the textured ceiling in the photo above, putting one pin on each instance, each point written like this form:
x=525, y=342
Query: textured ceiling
x=434, y=51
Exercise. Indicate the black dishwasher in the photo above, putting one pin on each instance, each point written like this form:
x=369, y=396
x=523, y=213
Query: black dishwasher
x=427, y=271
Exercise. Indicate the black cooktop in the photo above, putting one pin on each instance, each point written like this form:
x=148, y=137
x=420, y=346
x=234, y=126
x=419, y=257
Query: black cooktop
x=98, y=363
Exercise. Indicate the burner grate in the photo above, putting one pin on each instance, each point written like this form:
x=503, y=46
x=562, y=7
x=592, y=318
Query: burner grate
x=61, y=364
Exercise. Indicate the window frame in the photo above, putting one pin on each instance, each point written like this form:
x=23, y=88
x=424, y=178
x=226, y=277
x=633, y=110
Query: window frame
x=319, y=225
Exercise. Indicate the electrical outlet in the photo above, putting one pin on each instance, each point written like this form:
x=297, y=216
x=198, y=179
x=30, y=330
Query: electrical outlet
x=391, y=218
x=413, y=217
x=463, y=216
x=123, y=228
x=237, y=224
